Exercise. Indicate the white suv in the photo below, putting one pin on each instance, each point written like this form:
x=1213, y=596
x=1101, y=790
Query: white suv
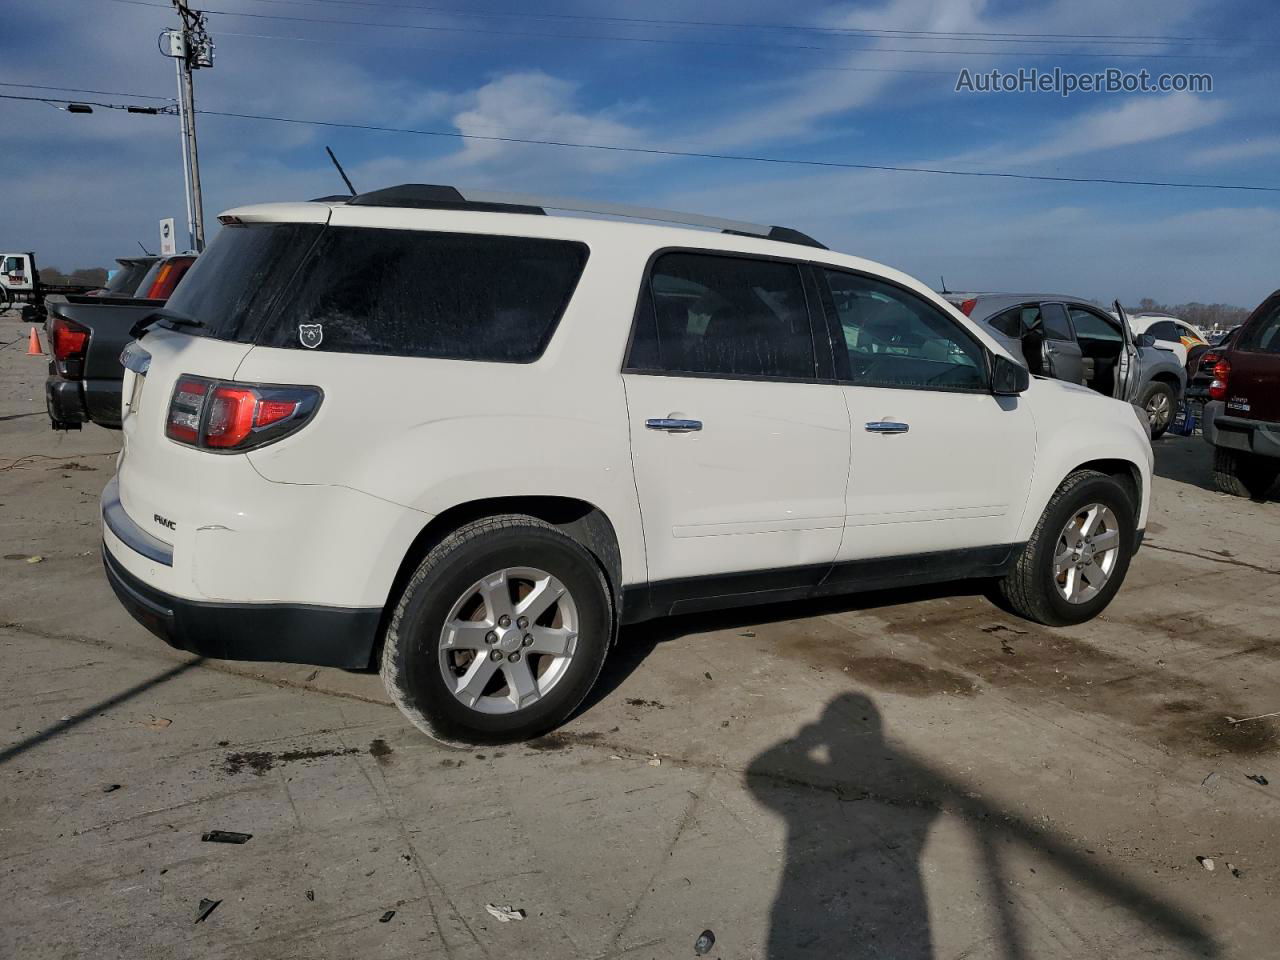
x=469, y=440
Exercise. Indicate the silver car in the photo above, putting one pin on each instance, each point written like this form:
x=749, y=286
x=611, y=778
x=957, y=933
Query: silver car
x=1073, y=339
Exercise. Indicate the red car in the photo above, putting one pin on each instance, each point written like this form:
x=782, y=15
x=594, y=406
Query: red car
x=1242, y=417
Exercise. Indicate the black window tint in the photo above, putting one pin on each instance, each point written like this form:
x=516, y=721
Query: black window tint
x=419, y=294
x=730, y=316
x=1055, y=321
x=1090, y=326
x=896, y=339
x=1009, y=323
x=1263, y=331
x=232, y=285
x=126, y=281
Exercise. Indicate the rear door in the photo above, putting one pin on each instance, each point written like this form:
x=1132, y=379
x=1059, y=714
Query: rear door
x=740, y=453
x=1062, y=353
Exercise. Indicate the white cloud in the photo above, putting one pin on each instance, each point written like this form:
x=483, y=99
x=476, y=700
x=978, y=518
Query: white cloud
x=1249, y=149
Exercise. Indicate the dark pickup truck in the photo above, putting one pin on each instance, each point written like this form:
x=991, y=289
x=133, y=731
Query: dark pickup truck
x=1242, y=416
x=86, y=334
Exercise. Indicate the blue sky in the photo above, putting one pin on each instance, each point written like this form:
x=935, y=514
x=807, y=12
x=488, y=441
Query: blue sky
x=81, y=190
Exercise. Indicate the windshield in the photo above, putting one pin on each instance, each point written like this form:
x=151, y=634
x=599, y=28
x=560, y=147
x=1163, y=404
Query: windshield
x=233, y=284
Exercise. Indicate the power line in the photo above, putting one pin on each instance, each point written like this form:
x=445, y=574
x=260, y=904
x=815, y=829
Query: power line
x=102, y=93
x=685, y=154
x=984, y=36
x=675, y=41
x=705, y=63
x=690, y=154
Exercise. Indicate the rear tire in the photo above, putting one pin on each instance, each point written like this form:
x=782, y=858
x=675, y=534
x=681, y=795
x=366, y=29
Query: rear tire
x=1161, y=404
x=439, y=634
x=1034, y=589
x=1244, y=474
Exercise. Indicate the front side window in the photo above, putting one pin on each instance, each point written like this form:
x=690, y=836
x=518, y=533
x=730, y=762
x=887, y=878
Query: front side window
x=724, y=316
x=416, y=293
x=895, y=339
x=13, y=265
x=1090, y=326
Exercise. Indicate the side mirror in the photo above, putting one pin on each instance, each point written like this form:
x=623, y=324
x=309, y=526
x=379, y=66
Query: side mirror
x=1008, y=377
x=1147, y=340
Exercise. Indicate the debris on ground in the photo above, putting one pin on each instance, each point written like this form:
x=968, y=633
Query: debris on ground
x=206, y=907
x=1231, y=720
x=226, y=836
x=311, y=895
x=1257, y=778
x=504, y=914
x=707, y=674
x=156, y=723
x=655, y=761
x=35, y=559
x=386, y=917
x=706, y=940
x=1207, y=863
x=311, y=676
x=747, y=633
x=110, y=788
x=1211, y=780
x=1235, y=871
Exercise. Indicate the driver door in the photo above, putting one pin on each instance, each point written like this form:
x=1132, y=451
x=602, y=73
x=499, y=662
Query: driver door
x=1127, y=379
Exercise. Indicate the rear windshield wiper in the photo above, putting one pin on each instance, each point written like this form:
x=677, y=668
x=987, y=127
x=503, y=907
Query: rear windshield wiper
x=170, y=318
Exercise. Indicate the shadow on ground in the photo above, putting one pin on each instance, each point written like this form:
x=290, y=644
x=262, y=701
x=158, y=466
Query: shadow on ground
x=858, y=811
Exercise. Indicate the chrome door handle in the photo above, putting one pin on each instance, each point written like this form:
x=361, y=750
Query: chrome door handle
x=673, y=426
x=887, y=426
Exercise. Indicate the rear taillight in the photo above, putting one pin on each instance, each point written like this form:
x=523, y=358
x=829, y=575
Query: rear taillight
x=68, y=341
x=163, y=285
x=1208, y=361
x=231, y=417
x=1221, y=375
x=967, y=306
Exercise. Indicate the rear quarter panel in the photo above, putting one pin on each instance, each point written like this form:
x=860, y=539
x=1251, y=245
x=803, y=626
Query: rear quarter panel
x=432, y=434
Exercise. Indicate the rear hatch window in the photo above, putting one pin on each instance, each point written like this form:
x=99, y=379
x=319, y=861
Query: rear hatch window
x=232, y=286
x=425, y=294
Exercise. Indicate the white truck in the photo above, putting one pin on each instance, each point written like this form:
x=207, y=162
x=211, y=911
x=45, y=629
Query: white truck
x=20, y=282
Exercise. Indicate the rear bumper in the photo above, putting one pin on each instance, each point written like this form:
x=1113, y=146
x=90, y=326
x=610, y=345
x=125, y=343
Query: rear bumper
x=284, y=633
x=73, y=402
x=1259, y=437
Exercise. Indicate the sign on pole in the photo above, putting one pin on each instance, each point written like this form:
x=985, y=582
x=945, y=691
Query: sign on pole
x=168, y=243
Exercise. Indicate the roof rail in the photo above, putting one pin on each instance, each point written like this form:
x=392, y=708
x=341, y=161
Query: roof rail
x=436, y=197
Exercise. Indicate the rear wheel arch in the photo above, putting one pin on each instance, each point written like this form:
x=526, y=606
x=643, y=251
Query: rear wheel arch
x=584, y=522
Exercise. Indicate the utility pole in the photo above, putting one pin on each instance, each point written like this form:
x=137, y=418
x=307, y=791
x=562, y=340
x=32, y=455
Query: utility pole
x=191, y=48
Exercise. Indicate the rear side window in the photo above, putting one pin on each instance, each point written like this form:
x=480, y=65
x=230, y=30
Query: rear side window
x=1009, y=323
x=419, y=294
x=125, y=281
x=1055, y=321
x=723, y=316
x=1262, y=334
x=232, y=285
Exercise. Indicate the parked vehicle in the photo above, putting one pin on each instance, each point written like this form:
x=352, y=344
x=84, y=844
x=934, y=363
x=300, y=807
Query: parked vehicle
x=1170, y=333
x=1073, y=340
x=1242, y=416
x=467, y=440
x=20, y=282
x=86, y=335
x=125, y=281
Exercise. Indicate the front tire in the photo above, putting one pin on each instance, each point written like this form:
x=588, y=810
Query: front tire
x=499, y=634
x=1077, y=556
x=1160, y=403
x=1243, y=474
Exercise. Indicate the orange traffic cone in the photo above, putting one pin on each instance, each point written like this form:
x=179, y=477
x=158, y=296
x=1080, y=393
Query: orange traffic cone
x=33, y=345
